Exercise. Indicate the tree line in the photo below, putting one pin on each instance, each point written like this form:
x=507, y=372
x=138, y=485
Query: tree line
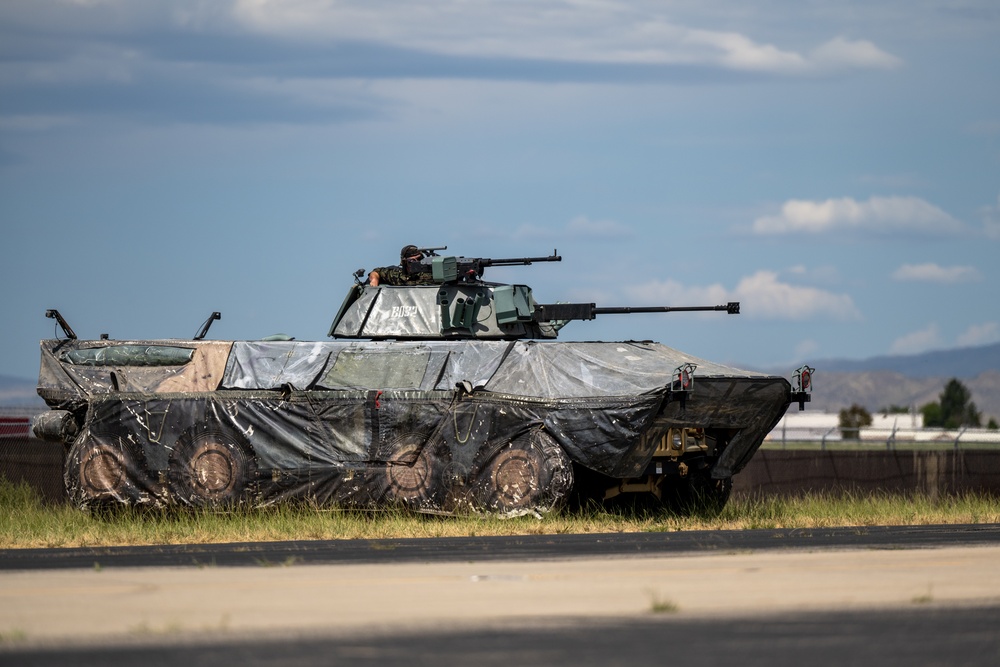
x=954, y=409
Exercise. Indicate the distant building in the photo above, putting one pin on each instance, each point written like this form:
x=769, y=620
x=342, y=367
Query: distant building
x=798, y=426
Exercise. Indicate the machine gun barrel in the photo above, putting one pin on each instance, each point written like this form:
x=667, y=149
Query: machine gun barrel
x=520, y=261
x=469, y=269
x=587, y=311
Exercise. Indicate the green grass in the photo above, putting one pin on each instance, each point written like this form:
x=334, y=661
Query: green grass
x=12, y=636
x=925, y=598
x=27, y=522
x=661, y=605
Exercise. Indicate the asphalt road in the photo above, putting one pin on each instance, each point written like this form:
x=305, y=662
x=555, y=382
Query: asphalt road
x=914, y=596
x=328, y=552
x=946, y=637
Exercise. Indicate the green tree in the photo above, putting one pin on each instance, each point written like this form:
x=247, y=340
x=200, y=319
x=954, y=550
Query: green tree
x=851, y=421
x=957, y=407
x=992, y=424
x=953, y=409
x=932, y=415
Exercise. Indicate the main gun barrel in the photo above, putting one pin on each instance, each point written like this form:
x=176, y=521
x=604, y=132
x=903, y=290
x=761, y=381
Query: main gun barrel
x=551, y=312
x=732, y=308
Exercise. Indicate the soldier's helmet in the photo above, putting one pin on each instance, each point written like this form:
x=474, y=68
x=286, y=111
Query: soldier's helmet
x=409, y=251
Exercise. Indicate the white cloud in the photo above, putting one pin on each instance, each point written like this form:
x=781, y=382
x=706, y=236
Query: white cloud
x=765, y=296
x=841, y=53
x=933, y=273
x=877, y=214
x=980, y=334
x=736, y=51
x=928, y=338
x=761, y=295
x=564, y=31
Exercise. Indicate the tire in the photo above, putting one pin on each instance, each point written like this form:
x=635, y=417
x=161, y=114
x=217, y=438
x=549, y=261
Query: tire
x=410, y=483
x=412, y=476
x=530, y=474
x=210, y=467
x=105, y=471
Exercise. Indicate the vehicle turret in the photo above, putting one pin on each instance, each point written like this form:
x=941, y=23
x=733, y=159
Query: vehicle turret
x=460, y=304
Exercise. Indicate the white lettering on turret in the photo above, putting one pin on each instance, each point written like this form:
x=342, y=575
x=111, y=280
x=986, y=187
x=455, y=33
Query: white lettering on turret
x=403, y=311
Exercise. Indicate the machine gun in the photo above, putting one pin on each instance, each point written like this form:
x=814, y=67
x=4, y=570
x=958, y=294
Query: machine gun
x=447, y=269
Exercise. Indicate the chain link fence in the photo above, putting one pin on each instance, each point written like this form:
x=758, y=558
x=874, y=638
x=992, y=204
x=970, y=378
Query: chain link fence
x=890, y=432
x=932, y=473
x=24, y=458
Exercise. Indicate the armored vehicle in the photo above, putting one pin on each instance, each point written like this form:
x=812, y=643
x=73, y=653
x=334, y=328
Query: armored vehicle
x=443, y=397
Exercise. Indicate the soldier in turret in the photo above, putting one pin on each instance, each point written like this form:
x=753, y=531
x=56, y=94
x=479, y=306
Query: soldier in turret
x=402, y=273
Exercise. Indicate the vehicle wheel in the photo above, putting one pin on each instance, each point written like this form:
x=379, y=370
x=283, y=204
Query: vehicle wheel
x=528, y=474
x=104, y=471
x=412, y=473
x=210, y=467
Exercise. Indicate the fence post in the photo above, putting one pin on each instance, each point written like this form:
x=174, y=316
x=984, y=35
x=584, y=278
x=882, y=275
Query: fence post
x=959, y=436
x=822, y=445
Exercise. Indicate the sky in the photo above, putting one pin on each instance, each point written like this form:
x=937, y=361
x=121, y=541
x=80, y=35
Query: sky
x=834, y=166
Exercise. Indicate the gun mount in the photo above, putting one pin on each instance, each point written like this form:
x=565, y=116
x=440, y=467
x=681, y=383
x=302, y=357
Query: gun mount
x=449, y=269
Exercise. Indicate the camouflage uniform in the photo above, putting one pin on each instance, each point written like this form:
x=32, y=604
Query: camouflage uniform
x=398, y=275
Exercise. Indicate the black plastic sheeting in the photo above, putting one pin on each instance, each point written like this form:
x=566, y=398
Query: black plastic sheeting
x=434, y=426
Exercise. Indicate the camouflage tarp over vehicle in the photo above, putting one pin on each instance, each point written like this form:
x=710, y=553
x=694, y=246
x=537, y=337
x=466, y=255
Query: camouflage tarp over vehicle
x=437, y=425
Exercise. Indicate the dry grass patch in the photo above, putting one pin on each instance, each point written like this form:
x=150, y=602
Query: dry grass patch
x=27, y=522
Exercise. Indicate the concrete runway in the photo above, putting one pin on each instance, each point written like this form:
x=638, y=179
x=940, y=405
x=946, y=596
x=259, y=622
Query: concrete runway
x=367, y=609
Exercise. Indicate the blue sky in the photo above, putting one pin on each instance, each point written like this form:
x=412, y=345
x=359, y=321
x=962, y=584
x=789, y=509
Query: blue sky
x=834, y=166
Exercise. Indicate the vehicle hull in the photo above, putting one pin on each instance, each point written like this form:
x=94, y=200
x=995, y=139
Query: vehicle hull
x=442, y=427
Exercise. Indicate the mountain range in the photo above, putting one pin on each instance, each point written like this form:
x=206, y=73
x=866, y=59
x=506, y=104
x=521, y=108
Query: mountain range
x=910, y=380
x=961, y=363
x=19, y=393
x=876, y=383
